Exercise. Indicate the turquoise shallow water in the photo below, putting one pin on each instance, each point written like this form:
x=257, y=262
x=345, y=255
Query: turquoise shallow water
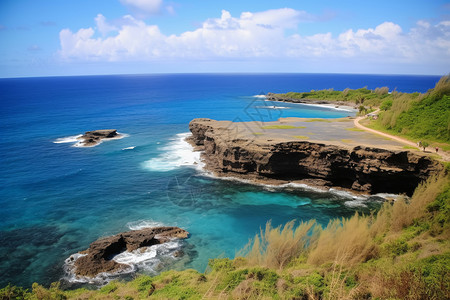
x=56, y=199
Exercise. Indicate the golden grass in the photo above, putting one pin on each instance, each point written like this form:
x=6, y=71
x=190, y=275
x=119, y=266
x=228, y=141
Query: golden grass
x=346, y=240
x=274, y=247
x=301, y=137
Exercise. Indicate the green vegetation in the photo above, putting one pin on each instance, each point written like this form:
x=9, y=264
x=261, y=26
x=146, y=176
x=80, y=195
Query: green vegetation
x=401, y=252
x=282, y=127
x=361, y=96
x=419, y=116
x=410, y=147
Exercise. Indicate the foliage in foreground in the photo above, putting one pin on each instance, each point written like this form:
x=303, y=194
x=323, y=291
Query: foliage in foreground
x=402, y=252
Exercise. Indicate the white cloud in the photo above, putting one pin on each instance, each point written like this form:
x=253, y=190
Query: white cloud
x=103, y=26
x=258, y=35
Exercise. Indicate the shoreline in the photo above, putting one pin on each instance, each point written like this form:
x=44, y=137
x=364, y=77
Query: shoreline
x=278, y=159
x=338, y=105
x=311, y=185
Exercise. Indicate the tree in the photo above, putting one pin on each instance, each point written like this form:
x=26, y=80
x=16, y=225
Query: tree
x=424, y=145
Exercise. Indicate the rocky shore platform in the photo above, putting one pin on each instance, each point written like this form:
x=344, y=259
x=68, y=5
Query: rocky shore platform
x=98, y=258
x=317, y=152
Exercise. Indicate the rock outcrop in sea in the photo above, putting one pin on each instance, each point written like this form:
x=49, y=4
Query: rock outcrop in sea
x=98, y=258
x=92, y=138
x=368, y=170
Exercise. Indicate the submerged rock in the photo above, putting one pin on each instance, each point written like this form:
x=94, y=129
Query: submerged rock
x=92, y=138
x=99, y=256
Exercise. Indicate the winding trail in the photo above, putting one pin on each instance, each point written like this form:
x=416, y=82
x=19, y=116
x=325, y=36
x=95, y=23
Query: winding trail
x=445, y=156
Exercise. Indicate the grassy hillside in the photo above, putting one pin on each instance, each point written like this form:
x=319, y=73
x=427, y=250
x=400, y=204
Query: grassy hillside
x=402, y=252
x=420, y=117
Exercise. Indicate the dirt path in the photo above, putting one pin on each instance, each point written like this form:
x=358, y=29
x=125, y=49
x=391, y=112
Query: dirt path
x=442, y=154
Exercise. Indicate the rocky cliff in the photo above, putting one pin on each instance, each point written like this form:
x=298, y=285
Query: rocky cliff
x=362, y=169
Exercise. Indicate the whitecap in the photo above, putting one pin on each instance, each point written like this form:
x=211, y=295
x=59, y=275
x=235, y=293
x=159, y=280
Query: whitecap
x=355, y=203
x=177, y=153
x=137, y=225
x=68, y=139
x=260, y=96
x=129, y=148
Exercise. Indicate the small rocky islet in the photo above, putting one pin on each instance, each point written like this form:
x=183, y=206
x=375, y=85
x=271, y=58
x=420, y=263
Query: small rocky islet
x=98, y=258
x=95, y=137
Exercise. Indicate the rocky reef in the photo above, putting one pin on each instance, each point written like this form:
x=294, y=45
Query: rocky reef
x=99, y=256
x=228, y=150
x=93, y=138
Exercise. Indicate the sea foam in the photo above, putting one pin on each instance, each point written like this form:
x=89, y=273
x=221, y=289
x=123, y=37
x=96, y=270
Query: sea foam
x=67, y=139
x=146, y=259
x=137, y=225
x=177, y=153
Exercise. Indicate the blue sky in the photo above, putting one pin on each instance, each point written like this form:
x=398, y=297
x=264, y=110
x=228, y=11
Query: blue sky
x=81, y=37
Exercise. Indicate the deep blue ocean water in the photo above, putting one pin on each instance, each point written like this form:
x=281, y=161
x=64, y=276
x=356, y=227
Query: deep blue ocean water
x=56, y=198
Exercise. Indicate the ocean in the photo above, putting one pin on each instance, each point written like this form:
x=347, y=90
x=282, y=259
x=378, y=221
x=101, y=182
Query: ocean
x=57, y=198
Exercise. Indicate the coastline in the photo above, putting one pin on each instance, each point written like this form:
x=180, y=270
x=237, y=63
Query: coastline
x=338, y=105
x=278, y=160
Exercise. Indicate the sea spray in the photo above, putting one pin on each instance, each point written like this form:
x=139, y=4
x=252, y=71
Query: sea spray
x=177, y=153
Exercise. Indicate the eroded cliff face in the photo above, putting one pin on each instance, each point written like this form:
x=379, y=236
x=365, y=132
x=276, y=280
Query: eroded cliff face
x=361, y=169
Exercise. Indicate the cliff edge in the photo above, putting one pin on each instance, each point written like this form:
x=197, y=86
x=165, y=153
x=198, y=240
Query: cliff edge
x=234, y=149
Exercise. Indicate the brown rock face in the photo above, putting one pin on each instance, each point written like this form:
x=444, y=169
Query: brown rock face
x=92, y=138
x=362, y=169
x=100, y=253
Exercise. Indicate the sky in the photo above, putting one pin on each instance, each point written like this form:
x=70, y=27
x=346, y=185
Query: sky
x=97, y=37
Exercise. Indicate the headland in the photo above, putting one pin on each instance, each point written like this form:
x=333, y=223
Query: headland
x=318, y=152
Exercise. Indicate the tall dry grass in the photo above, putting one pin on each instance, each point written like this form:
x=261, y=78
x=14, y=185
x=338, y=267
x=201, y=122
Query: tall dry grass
x=382, y=90
x=442, y=87
x=402, y=102
x=346, y=240
x=403, y=213
x=275, y=247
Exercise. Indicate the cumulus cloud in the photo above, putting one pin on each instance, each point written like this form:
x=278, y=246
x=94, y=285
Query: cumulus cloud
x=253, y=35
